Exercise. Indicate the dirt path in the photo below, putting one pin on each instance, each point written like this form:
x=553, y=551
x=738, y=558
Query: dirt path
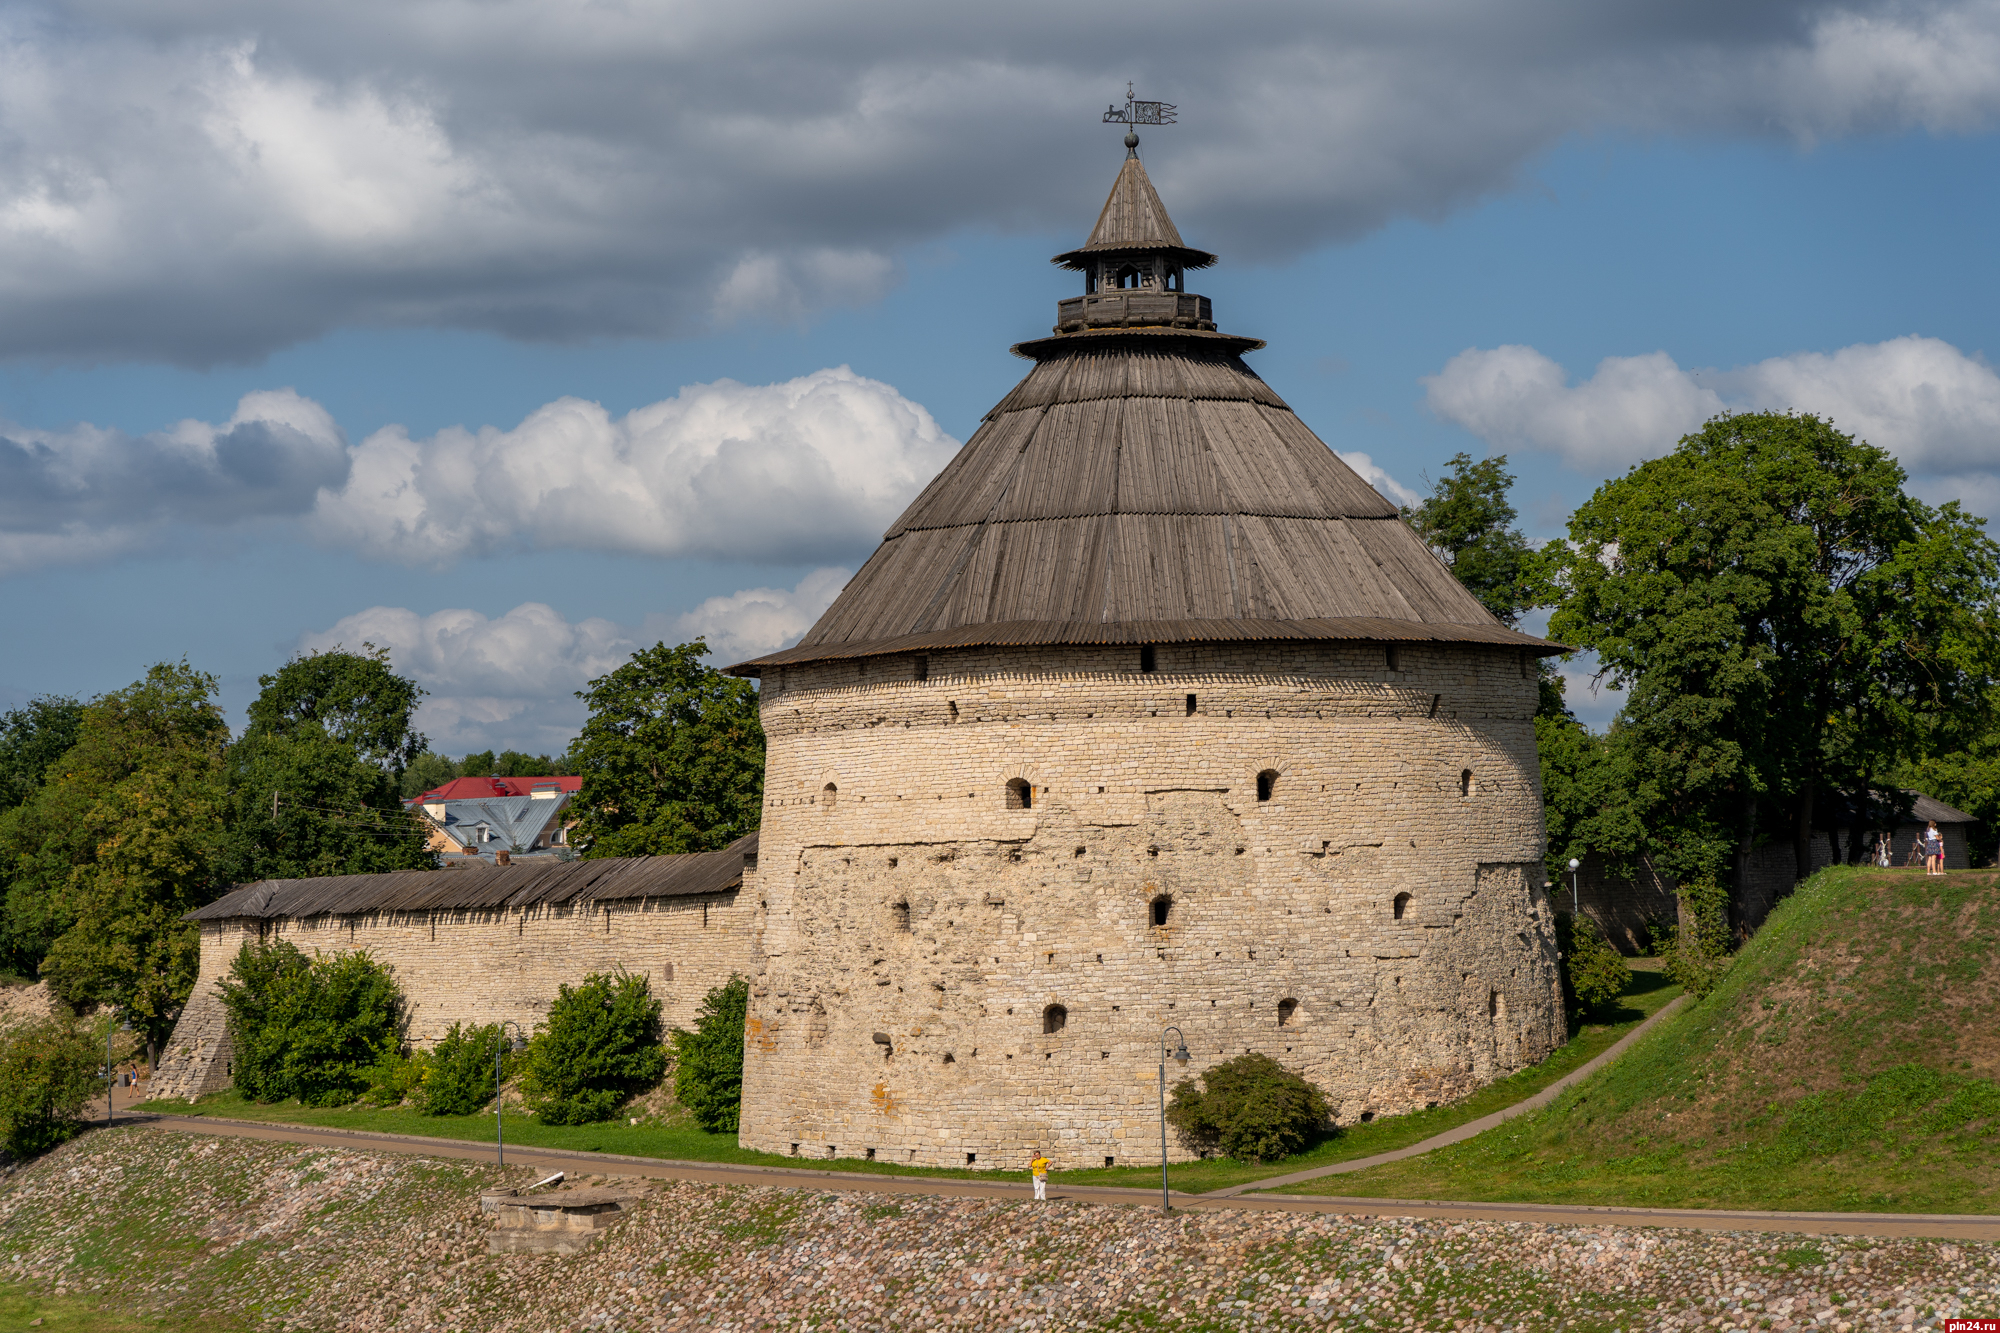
x=1849, y=1224
x=1466, y=1130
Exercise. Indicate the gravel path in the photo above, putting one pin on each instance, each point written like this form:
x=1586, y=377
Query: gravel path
x=282, y=1235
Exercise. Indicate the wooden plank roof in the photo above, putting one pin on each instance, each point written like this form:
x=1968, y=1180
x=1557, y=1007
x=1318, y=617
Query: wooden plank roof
x=534, y=882
x=1144, y=485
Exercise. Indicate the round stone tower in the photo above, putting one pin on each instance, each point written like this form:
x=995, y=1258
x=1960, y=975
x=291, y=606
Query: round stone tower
x=1147, y=712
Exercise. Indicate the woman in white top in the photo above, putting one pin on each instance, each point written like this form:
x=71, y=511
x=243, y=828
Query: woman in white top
x=1933, y=850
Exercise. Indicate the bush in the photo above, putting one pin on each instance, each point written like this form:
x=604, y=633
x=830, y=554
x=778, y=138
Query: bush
x=49, y=1071
x=1700, y=953
x=320, y=1029
x=708, y=1069
x=600, y=1046
x=393, y=1080
x=1251, y=1108
x=458, y=1079
x=1593, y=973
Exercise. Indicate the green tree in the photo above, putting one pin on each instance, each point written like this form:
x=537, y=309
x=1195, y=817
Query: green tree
x=458, y=1077
x=48, y=1074
x=353, y=697
x=708, y=1062
x=318, y=1029
x=515, y=764
x=427, y=772
x=600, y=1046
x=1786, y=619
x=672, y=757
x=32, y=738
x=121, y=841
x=1469, y=523
x=315, y=781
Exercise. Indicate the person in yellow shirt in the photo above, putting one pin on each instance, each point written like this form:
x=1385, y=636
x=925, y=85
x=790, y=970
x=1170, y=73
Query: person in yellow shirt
x=1039, y=1168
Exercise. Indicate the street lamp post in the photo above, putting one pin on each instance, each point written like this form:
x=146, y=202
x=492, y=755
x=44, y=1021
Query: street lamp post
x=110, y=1079
x=1573, y=908
x=499, y=1102
x=1180, y=1054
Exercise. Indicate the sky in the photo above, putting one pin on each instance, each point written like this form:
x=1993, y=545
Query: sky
x=514, y=336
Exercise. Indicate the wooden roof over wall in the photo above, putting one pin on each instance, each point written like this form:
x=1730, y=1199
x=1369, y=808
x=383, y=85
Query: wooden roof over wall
x=532, y=883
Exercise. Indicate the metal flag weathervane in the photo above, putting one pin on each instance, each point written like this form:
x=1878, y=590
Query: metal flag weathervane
x=1135, y=112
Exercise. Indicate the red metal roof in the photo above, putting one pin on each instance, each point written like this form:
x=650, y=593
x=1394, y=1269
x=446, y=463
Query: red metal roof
x=473, y=789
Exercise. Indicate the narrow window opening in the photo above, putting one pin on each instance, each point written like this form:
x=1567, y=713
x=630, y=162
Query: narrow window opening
x=1527, y=666
x=971, y=1157
x=871, y=1154
x=1163, y=907
x=1267, y=782
x=923, y=668
x=1465, y=782
x=1492, y=1003
x=828, y=795
x=900, y=914
x=1110, y=1162
x=1054, y=1018
x=1149, y=659
x=1286, y=1010
x=1402, y=905
x=1190, y=705
x=1366, y=1116
x=954, y=709
x=1020, y=794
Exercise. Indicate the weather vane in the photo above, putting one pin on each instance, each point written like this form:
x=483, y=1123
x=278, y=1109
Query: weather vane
x=1136, y=112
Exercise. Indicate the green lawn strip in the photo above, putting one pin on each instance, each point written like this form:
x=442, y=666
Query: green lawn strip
x=1824, y=1074
x=1649, y=991
x=21, y=1306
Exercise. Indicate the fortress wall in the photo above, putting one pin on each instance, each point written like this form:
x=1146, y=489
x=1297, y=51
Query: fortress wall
x=485, y=966
x=918, y=928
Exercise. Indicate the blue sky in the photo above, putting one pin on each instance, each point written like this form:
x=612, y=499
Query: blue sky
x=1424, y=290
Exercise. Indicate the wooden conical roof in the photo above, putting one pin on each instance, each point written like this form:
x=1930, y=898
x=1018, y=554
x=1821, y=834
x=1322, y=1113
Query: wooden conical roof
x=1134, y=219
x=1143, y=485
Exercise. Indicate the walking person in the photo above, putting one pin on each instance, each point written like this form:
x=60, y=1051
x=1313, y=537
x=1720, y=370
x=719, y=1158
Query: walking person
x=1933, y=850
x=1039, y=1169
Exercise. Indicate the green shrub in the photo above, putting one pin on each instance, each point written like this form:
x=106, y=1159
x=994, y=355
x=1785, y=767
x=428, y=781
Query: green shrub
x=1593, y=973
x=396, y=1078
x=459, y=1077
x=1251, y=1108
x=1700, y=953
x=49, y=1071
x=708, y=1062
x=600, y=1046
x=319, y=1029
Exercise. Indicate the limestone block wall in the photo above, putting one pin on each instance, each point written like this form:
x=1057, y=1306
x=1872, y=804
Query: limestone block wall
x=484, y=966
x=950, y=978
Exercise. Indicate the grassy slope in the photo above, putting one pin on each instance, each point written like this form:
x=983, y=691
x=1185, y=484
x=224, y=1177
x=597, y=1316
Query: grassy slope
x=1847, y=1062
x=1648, y=992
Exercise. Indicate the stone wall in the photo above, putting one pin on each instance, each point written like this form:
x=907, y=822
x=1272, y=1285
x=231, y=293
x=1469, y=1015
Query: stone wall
x=1377, y=923
x=485, y=966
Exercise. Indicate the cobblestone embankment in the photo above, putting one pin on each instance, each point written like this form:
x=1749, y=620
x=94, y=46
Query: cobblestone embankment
x=278, y=1235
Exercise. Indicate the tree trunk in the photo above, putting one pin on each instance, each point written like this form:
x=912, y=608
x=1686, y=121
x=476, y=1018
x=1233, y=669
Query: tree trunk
x=1802, y=833
x=1739, y=887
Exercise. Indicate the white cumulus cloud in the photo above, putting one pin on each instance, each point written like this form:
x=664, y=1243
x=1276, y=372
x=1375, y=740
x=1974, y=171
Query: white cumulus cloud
x=196, y=182
x=811, y=469
x=1377, y=476
x=1934, y=407
x=781, y=472
x=510, y=681
x=88, y=493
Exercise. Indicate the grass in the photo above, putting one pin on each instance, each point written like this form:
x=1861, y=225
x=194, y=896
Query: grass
x=20, y=1307
x=1847, y=1062
x=683, y=1141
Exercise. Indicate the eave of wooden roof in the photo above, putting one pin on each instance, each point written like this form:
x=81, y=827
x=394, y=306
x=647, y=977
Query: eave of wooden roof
x=489, y=888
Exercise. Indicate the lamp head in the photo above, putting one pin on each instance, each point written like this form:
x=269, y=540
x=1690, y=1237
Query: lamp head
x=520, y=1043
x=1574, y=863
x=1181, y=1054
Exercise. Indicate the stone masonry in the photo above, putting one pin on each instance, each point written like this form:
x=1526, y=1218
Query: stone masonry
x=959, y=970
x=483, y=966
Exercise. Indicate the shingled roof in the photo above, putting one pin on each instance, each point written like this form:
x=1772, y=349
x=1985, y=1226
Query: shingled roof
x=1134, y=219
x=1144, y=485
x=536, y=883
